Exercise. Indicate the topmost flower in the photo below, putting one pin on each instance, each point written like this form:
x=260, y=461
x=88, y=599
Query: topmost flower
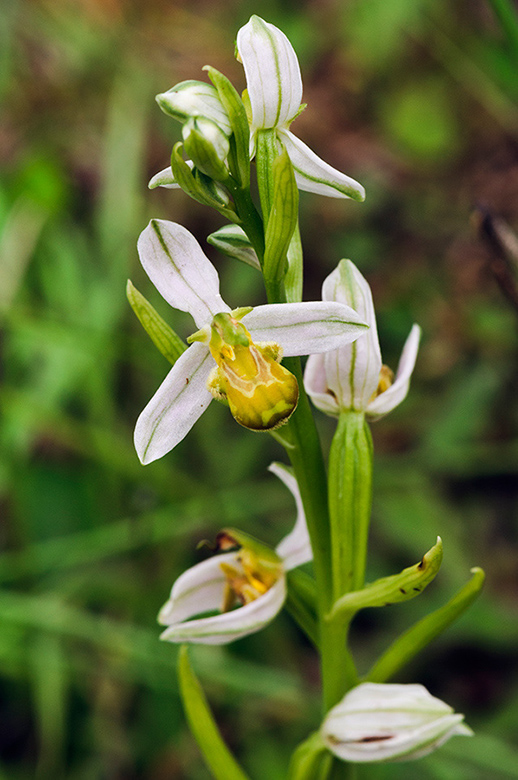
x=274, y=87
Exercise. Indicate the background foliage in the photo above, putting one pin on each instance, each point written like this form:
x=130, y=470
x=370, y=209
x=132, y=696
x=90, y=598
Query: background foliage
x=416, y=99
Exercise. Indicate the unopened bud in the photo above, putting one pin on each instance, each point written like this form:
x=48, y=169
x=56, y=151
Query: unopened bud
x=386, y=722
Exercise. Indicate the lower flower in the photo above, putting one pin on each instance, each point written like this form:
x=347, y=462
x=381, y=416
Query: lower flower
x=246, y=586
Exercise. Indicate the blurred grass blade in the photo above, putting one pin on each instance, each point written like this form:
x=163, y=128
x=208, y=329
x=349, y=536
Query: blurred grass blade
x=489, y=754
x=50, y=684
x=507, y=15
x=424, y=631
x=391, y=590
x=17, y=242
x=217, y=756
x=163, y=337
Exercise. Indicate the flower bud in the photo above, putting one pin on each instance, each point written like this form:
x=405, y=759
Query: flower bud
x=386, y=722
x=207, y=146
x=193, y=99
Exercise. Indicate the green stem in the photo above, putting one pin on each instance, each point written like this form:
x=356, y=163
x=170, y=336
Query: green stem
x=251, y=221
x=306, y=457
x=337, y=666
x=338, y=669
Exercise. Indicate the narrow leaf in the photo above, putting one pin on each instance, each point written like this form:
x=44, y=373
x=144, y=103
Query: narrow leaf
x=239, y=158
x=218, y=758
x=163, y=337
x=425, y=631
x=391, y=590
x=282, y=220
x=311, y=760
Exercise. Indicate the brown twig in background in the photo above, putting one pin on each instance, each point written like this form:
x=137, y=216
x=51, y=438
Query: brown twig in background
x=502, y=243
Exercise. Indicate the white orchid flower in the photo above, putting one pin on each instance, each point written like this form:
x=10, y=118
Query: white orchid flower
x=253, y=576
x=387, y=722
x=228, y=357
x=274, y=87
x=353, y=377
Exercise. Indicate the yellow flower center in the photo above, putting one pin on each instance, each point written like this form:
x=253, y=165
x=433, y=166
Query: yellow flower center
x=260, y=393
x=386, y=379
x=248, y=580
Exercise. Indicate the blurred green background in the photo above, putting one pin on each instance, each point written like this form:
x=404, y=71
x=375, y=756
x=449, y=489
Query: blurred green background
x=418, y=100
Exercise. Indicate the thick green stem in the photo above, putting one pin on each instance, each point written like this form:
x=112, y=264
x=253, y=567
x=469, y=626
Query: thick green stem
x=350, y=499
x=306, y=457
x=338, y=669
x=250, y=219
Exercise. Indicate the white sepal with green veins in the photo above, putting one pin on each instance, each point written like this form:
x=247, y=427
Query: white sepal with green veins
x=252, y=576
x=378, y=722
x=354, y=377
x=274, y=88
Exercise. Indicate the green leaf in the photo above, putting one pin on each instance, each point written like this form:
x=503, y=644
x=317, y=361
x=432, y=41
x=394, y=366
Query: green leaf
x=391, y=590
x=409, y=644
x=217, y=756
x=311, y=760
x=282, y=220
x=163, y=337
x=239, y=158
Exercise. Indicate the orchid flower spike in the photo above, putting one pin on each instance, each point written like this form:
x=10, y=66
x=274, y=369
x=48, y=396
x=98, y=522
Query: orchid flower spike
x=274, y=87
x=235, y=355
x=253, y=576
x=377, y=722
x=353, y=377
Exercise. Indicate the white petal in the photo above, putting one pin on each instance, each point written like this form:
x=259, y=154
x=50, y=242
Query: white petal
x=199, y=589
x=305, y=328
x=179, y=401
x=272, y=72
x=314, y=175
x=229, y=626
x=316, y=385
x=179, y=269
x=165, y=179
x=295, y=548
x=397, y=392
x=352, y=372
